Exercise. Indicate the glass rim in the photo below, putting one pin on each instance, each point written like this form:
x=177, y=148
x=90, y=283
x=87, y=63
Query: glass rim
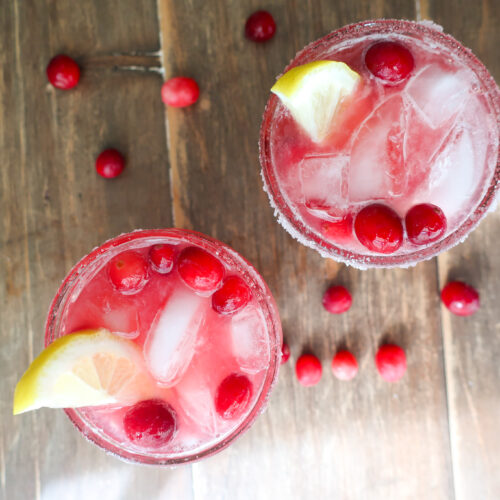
x=304, y=234
x=266, y=301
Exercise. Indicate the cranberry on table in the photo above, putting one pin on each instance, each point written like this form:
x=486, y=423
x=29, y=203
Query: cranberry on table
x=233, y=396
x=391, y=362
x=151, y=423
x=460, y=298
x=233, y=295
x=110, y=163
x=63, y=72
x=128, y=272
x=379, y=228
x=285, y=353
x=308, y=370
x=162, y=257
x=344, y=365
x=260, y=26
x=337, y=299
x=179, y=92
x=425, y=223
x=200, y=270
x=389, y=61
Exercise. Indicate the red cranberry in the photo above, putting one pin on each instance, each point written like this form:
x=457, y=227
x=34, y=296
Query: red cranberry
x=379, y=228
x=200, y=270
x=461, y=299
x=391, y=362
x=233, y=295
x=63, y=72
x=344, y=365
x=389, y=61
x=308, y=370
x=151, y=423
x=285, y=353
x=260, y=26
x=338, y=230
x=179, y=92
x=128, y=272
x=425, y=223
x=162, y=258
x=233, y=396
x=337, y=300
x=110, y=163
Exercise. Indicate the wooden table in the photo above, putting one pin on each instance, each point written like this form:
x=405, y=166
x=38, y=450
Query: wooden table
x=433, y=435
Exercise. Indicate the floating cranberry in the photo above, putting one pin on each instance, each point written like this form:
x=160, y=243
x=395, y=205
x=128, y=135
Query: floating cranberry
x=110, y=163
x=63, y=72
x=389, y=61
x=379, y=228
x=337, y=299
x=339, y=230
x=285, y=353
x=260, y=26
x=344, y=365
x=233, y=295
x=162, y=257
x=128, y=272
x=461, y=299
x=179, y=92
x=200, y=270
x=425, y=223
x=391, y=362
x=233, y=396
x=150, y=424
x=308, y=370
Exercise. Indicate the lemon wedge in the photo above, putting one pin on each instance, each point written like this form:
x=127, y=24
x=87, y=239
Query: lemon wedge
x=312, y=92
x=85, y=368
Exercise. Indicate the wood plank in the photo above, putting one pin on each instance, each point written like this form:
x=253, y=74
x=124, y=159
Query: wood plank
x=472, y=345
x=54, y=209
x=335, y=440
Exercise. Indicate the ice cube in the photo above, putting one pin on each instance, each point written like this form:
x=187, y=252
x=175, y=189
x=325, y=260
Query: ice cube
x=322, y=182
x=171, y=340
x=120, y=318
x=250, y=343
x=439, y=93
x=376, y=169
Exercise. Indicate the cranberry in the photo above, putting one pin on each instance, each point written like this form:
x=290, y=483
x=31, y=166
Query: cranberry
x=110, y=163
x=200, y=270
x=180, y=92
x=344, y=365
x=285, y=353
x=128, y=272
x=162, y=258
x=425, y=223
x=461, y=299
x=389, y=61
x=337, y=300
x=260, y=26
x=379, y=228
x=63, y=72
x=308, y=370
x=338, y=230
x=233, y=396
x=391, y=362
x=232, y=296
x=151, y=423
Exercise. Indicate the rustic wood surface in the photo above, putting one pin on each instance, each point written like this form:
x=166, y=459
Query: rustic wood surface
x=434, y=435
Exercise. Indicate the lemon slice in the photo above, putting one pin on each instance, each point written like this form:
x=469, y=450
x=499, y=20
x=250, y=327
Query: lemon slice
x=312, y=92
x=86, y=368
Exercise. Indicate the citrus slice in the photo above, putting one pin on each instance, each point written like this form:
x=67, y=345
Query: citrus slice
x=86, y=368
x=313, y=92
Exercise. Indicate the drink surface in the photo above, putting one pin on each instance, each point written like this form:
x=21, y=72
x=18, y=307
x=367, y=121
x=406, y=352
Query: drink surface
x=189, y=348
x=431, y=139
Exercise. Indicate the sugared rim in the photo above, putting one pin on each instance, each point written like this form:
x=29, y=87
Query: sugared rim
x=302, y=232
x=266, y=302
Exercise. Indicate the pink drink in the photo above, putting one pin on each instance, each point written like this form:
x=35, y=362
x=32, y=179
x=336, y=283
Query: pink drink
x=433, y=138
x=189, y=348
